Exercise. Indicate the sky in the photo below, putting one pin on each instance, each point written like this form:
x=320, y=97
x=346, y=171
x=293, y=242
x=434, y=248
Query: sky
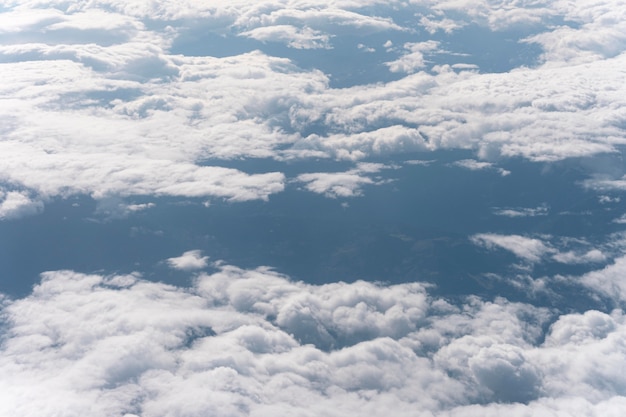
x=312, y=207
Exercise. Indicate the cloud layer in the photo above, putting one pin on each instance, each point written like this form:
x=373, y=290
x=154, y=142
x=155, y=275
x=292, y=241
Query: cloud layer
x=252, y=342
x=98, y=100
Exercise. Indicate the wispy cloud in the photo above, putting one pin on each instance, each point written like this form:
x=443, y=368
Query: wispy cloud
x=521, y=211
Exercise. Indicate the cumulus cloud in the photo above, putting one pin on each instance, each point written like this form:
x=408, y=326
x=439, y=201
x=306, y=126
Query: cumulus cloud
x=189, y=260
x=98, y=100
x=343, y=184
x=608, y=281
x=249, y=342
x=529, y=249
x=294, y=37
x=97, y=89
x=15, y=204
x=414, y=59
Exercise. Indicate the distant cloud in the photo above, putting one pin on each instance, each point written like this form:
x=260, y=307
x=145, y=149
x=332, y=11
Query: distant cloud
x=534, y=250
x=474, y=165
x=606, y=199
x=116, y=208
x=16, y=204
x=606, y=184
x=521, y=211
x=529, y=249
x=414, y=59
x=446, y=25
x=189, y=260
x=571, y=257
x=343, y=184
x=419, y=162
x=621, y=219
x=292, y=36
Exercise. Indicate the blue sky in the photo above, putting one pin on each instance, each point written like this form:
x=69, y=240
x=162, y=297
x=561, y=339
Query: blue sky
x=312, y=208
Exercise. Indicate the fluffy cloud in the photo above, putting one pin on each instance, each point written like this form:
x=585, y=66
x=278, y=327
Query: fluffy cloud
x=100, y=98
x=189, y=260
x=249, y=342
x=15, y=204
x=608, y=281
x=96, y=103
x=414, y=59
x=342, y=184
x=294, y=37
x=529, y=249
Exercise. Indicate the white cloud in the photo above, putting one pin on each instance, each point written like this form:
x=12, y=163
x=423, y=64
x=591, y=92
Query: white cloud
x=15, y=204
x=621, y=219
x=607, y=199
x=432, y=26
x=572, y=257
x=609, y=281
x=189, y=260
x=606, y=184
x=249, y=342
x=598, y=31
x=474, y=165
x=529, y=249
x=116, y=208
x=521, y=211
x=414, y=59
x=294, y=37
x=83, y=93
x=343, y=184
x=94, y=102
x=533, y=250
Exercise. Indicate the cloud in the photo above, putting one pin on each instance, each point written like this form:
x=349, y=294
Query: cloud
x=620, y=220
x=474, y=165
x=529, y=249
x=84, y=94
x=608, y=281
x=521, y=211
x=414, y=60
x=116, y=208
x=98, y=100
x=343, y=184
x=607, y=199
x=249, y=342
x=432, y=26
x=571, y=257
x=597, y=32
x=189, y=260
x=535, y=250
x=606, y=184
x=16, y=204
x=294, y=37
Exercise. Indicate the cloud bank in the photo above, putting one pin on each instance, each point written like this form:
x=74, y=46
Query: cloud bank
x=253, y=342
x=97, y=100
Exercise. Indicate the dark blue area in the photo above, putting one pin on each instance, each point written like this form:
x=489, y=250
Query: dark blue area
x=414, y=228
